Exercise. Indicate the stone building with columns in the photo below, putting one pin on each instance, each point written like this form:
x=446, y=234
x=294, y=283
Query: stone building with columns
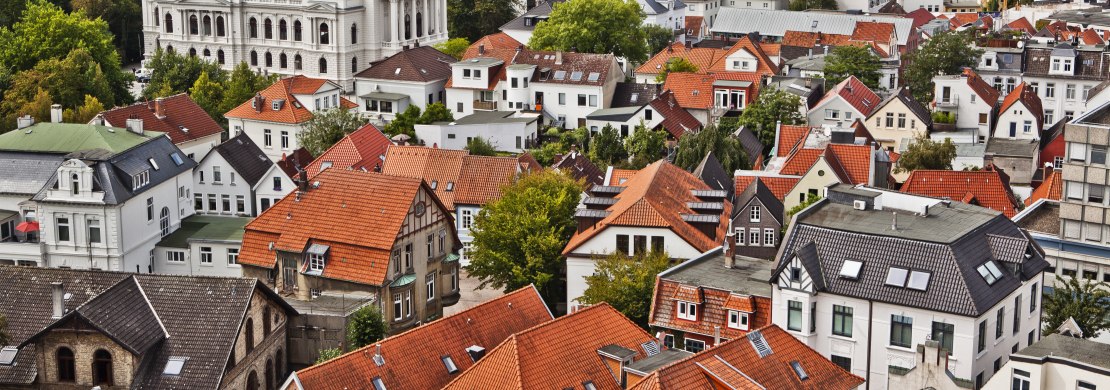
x=331, y=39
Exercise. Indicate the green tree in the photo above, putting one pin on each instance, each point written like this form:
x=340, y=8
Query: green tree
x=241, y=86
x=658, y=37
x=479, y=146
x=327, y=127
x=66, y=81
x=366, y=326
x=45, y=32
x=692, y=148
x=646, y=146
x=124, y=21
x=802, y=5
x=208, y=94
x=606, y=147
x=85, y=112
x=519, y=239
x=454, y=47
x=473, y=19
x=328, y=354
x=677, y=65
x=771, y=107
x=859, y=61
x=925, y=153
x=626, y=283
x=944, y=54
x=404, y=123
x=37, y=106
x=810, y=200
x=435, y=112
x=180, y=72
x=1087, y=302
x=578, y=24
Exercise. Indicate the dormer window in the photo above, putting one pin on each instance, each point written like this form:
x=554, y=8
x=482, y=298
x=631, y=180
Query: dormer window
x=687, y=311
x=737, y=320
x=140, y=180
x=317, y=258
x=75, y=184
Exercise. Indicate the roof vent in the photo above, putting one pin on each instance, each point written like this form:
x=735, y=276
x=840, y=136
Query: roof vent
x=379, y=360
x=759, y=343
x=798, y=370
x=476, y=352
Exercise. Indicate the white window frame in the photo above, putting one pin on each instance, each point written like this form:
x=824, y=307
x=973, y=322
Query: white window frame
x=233, y=256
x=206, y=255
x=768, y=237
x=738, y=320
x=753, y=236
x=687, y=311
x=175, y=256
x=316, y=262
x=430, y=286
x=754, y=213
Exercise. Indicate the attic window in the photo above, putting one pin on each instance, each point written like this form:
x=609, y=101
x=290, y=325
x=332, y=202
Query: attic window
x=560, y=74
x=594, y=76
x=176, y=157
x=897, y=277
x=7, y=355
x=919, y=280
x=450, y=186
x=990, y=272
x=276, y=104
x=325, y=165
x=140, y=180
x=378, y=384
x=153, y=163
x=850, y=269
x=450, y=364
x=434, y=184
x=799, y=370
x=576, y=76
x=174, y=365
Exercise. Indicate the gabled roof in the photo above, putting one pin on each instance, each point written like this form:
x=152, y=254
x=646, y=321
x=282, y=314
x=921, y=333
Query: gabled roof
x=853, y=162
x=245, y=157
x=903, y=95
x=293, y=162
x=1027, y=96
x=456, y=177
x=779, y=185
x=813, y=39
x=891, y=7
x=498, y=40
x=1022, y=24
x=482, y=177
x=363, y=149
x=358, y=214
x=764, y=67
x=737, y=364
x=961, y=19
x=542, y=9
x=415, y=359
x=874, y=32
x=799, y=162
x=579, y=167
x=634, y=94
x=713, y=174
x=758, y=190
x=559, y=354
x=920, y=16
x=1052, y=189
x=676, y=120
x=183, y=121
x=753, y=147
x=789, y=136
x=1090, y=62
x=691, y=90
x=657, y=196
x=985, y=188
x=701, y=57
x=694, y=24
x=981, y=87
x=855, y=93
x=62, y=138
x=292, y=111
x=419, y=64
x=774, y=23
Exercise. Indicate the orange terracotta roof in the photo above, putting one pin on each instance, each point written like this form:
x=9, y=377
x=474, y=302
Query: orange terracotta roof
x=980, y=87
x=482, y=177
x=920, y=16
x=963, y=18
x=1022, y=24
x=779, y=185
x=765, y=66
x=800, y=162
x=456, y=177
x=874, y=32
x=414, y=359
x=813, y=38
x=183, y=120
x=736, y=364
x=1027, y=96
x=687, y=293
x=1090, y=37
x=691, y=90
x=620, y=176
x=1052, y=189
x=853, y=161
x=357, y=214
x=713, y=312
x=362, y=149
x=771, y=49
x=293, y=111
x=656, y=196
x=986, y=188
x=498, y=40
x=789, y=137
x=855, y=93
x=701, y=57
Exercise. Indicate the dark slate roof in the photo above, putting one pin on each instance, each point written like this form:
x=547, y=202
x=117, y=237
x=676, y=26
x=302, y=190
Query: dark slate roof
x=245, y=157
x=26, y=173
x=197, y=317
x=751, y=144
x=1013, y=147
x=1057, y=347
x=580, y=168
x=419, y=64
x=712, y=173
x=541, y=10
x=919, y=110
x=759, y=191
x=1089, y=64
x=1055, y=130
x=634, y=94
x=949, y=243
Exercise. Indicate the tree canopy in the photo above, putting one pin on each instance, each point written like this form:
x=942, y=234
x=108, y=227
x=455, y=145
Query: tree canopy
x=179, y=72
x=578, y=25
x=327, y=127
x=772, y=106
x=692, y=148
x=473, y=19
x=646, y=146
x=924, y=153
x=945, y=53
x=241, y=86
x=479, y=146
x=366, y=326
x=606, y=147
x=677, y=65
x=658, y=37
x=519, y=239
x=859, y=61
x=1087, y=302
x=626, y=283
x=65, y=81
x=802, y=5
x=124, y=19
x=83, y=113
x=406, y=121
x=454, y=47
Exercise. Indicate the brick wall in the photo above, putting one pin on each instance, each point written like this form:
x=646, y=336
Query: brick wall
x=269, y=349
x=84, y=342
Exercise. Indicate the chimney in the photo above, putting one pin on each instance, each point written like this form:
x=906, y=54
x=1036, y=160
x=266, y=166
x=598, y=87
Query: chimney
x=160, y=108
x=302, y=180
x=558, y=58
x=481, y=50
x=24, y=122
x=894, y=222
x=476, y=352
x=716, y=335
x=98, y=120
x=56, y=113
x=135, y=125
x=258, y=100
x=730, y=250
x=58, y=291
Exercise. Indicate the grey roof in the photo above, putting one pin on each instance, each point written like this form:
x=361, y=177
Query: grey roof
x=713, y=174
x=634, y=94
x=540, y=11
x=751, y=144
x=1013, y=147
x=1041, y=217
x=580, y=168
x=26, y=173
x=245, y=157
x=654, y=362
x=796, y=85
x=652, y=7
x=949, y=243
x=1055, y=347
x=760, y=192
x=748, y=276
x=813, y=63
x=1088, y=16
x=200, y=315
x=919, y=110
x=616, y=114
x=777, y=22
x=483, y=117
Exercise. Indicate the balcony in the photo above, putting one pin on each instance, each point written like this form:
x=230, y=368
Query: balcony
x=950, y=101
x=489, y=106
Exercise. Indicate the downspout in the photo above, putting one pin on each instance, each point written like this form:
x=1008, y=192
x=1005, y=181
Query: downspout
x=870, y=327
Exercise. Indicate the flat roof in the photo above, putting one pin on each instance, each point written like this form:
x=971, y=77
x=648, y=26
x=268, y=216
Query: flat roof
x=652, y=363
x=748, y=275
x=943, y=224
x=1066, y=347
x=206, y=228
x=483, y=117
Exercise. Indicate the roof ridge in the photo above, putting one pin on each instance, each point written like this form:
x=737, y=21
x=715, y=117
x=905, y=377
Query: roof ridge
x=142, y=291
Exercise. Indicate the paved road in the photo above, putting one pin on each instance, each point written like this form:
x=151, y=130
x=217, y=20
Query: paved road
x=470, y=294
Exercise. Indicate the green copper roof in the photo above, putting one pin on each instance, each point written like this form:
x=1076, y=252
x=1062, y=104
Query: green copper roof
x=72, y=137
x=206, y=228
x=403, y=280
x=452, y=257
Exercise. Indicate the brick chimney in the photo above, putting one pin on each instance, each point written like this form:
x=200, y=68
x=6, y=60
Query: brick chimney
x=730, y=249
x=160, y=108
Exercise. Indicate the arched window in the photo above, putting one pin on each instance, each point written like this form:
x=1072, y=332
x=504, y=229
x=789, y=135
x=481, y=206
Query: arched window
x=268, y=28
x=206, y=25
x=67, y=371
x=269, y=60
x=269, y=374
x=277, y=364
x=157, y=20
x=75, y=184
x=323, y=65
x=192, y=52
x=419, y=24
x=164, y=221
x=354, y=33
x=252, y=28
x=207, y=53
x=254, y=58
x=248, y=335
x=283, y=30
x=297, y=30
x=354, y=64
x=266, y=320
x=169, y=23
x=102, y=368
x=220, y=56
x=252, y=381
x=282, y=61
x=297, y=62
x=193, y=29
x=408, y=31
x=220, y=26
x=169, y=48
x=324, y=39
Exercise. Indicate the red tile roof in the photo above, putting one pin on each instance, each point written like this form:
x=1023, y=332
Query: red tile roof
x=676, y=120
x=457, y=177
x=853, y=162
x=693, y=25
x=800, y=162
x=357, y=214
x=414, y=359
x=789, y=137
x=498, y=40
x=736, y=364
x=293, y=111
x=620, y=176
x=482, y=177
x=962, y=19
x=291, y=163
x=813, y=38
x=559, y=354
x=1090, y=37
x=656, y=196
x=764, y=67
x=856, y=94
x=1052, y=189
x=183, y=119
x=981, y=87
x=874, y=32
x=361, y=150
x=779, y=185
x=691, y=90
x=1022, y=24
x=713, y=312
x=985, y=188
x=1027, y=96
x=920, y=16
x=701, y=57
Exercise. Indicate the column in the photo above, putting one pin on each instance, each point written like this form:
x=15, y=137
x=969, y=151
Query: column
x=393, y=18
x=427, y=22
x=412, y=19
x=441, y=11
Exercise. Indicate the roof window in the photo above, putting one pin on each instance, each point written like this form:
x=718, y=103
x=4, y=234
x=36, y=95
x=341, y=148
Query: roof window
x=990, y=272
x=378, y=384
x=850, y=269
x=759, y=343
x=799, y=370
x=7, y=355
x=174, y=365
x=153, y=163
x=560, y=75
x=897, y=277
x=919, y=280
x=594, y=76
x=576, y=76
x=589, y=385
x=450, y=364
x=434, y=184
x=450, y=186
x=176, y=157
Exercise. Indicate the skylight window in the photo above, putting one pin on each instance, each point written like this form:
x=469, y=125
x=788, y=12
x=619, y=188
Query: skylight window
x=589, y=385
x=576, y=76
x=450, y=364
x=560, y=74
x=594, y=76
x=990, y=272
x=450, y=186
x=176, y=157
x=851, y=269
x=174, y=366
x=7, y=356
x=919, y=280
x=325, y=165
x=759, y=343
x=153, y=163
x=897, y=277
x=378, y=384
x=434, y=184
x=799, y=370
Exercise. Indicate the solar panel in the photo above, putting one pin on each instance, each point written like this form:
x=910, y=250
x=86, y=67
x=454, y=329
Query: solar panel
x=560, y=74
x=919, y=280
x=594, y=76
x=850, y=269
x=897, y=277
x=576, y=76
